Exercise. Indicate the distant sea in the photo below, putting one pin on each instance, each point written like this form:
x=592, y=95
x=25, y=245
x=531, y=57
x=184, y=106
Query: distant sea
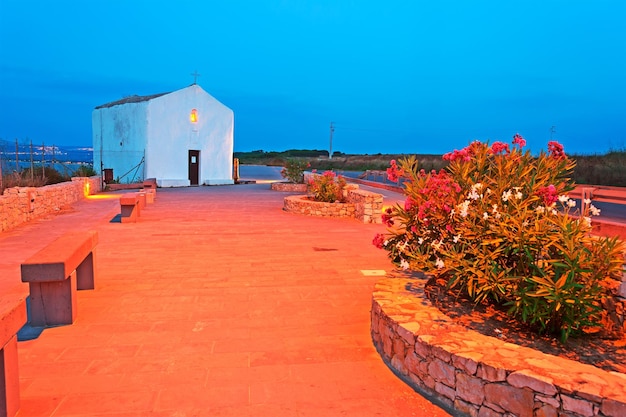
x=23, y=154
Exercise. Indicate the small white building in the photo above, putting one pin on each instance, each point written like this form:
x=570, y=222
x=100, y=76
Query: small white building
x=180, y=138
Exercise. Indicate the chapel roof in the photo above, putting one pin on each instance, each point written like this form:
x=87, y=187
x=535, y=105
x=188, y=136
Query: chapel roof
x=130, y=99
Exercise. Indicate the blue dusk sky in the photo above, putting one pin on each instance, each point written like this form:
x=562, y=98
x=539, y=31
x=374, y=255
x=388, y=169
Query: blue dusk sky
x=395, y=76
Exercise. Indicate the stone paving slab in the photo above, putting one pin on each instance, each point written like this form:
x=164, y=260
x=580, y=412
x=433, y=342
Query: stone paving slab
x=216, y=302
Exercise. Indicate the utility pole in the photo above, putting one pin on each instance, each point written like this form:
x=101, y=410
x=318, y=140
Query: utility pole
x=332, y=129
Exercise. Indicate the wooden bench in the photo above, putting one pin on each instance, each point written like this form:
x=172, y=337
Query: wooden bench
x=55, y=273
x=149, y=187
x=12, y=318
x=150, y=183
x=130, y=208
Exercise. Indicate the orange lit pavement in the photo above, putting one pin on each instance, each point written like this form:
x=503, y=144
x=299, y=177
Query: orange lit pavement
x=216, y=303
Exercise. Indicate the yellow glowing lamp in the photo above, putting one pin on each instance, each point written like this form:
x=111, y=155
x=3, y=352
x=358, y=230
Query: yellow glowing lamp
x=193, y=116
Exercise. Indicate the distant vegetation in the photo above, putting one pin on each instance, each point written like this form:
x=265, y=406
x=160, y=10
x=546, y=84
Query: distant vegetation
x=607, y=169
x=38, y=177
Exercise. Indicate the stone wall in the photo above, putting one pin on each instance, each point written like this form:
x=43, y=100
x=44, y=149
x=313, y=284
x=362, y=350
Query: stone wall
x=21, y=204
x=289, y=187
x=478, y=375
x=368, y=206
x=362, y=205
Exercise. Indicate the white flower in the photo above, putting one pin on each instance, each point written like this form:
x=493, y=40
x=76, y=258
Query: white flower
x=594, y=210
x=519, y=195
x=420, y=240
x=506, y=195
x=587, y=201
x=385, y=243
x=540, y=209
x=473, y=195
x=463, y=208
x=436, y=244
x=456, y=238
x=439, y=263
x=404, y=264
x=485, y=215
x=494, y=209
x=563, y=199
x=554, y=212
x=477, y=186
x=571, y=203
x=452, y=212
x=587, y=221
x=525, y=223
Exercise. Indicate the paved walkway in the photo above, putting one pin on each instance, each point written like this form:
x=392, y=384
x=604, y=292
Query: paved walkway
x=216, y=303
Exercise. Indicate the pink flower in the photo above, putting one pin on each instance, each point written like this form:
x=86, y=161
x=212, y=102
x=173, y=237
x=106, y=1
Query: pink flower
x=519, y=140
x=387, y=217
x=408, y=204
x=379, y=240
x=393, y=172
x=548, y=195
x=456, y=155
x=556, y=150
x=499, y=147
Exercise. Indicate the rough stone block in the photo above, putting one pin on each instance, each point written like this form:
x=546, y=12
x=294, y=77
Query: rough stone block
x=518, y=401
x=578, y=406
x=537, y=383
x=467, y=408
x=470, y=389
x=491, y=374
x=487, y=412
x=442, y=372
x=613, y=408
x=445, y=390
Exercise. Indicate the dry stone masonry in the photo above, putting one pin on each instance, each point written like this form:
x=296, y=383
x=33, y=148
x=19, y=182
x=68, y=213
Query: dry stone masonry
x=21, y=204
x=478, y=375
x=362, y=205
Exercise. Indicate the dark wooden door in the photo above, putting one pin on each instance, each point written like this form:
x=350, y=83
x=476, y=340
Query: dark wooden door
x=194, y=167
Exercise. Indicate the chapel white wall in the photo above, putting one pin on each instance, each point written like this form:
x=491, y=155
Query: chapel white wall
x=119, y=139
x=170, y=136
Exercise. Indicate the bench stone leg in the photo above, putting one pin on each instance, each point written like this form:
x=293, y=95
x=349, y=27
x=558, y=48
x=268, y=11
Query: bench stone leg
x=54, y=302
x=129, y=213
x=9, y=379
x=85, y=273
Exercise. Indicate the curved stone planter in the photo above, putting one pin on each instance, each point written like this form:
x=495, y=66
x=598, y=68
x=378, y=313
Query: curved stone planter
x=289, y=187
x=303, y=205
x=479, y=375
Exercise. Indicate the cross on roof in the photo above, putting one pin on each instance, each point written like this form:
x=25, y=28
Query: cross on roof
x=195, y=76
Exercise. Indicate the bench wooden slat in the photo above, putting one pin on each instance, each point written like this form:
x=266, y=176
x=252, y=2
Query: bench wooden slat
x=55, y=273
x=56, y=261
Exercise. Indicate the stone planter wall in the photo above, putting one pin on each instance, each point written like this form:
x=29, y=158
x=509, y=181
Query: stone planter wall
x=21, y=204
x=303, y=205
x=289, y=187
x=368, y=206
x=362, y=205
x=478, y=375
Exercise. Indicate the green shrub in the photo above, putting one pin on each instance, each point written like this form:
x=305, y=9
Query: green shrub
x=294, y=170
x=85, y=171
x=497, y=223
x=43, y=176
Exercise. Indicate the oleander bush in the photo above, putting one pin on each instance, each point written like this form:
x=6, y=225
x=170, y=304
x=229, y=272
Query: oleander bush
x=327, y=187
x=498, y=225
x=293, y=170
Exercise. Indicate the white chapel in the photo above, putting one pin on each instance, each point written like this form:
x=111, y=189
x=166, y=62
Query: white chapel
x=182, y=138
